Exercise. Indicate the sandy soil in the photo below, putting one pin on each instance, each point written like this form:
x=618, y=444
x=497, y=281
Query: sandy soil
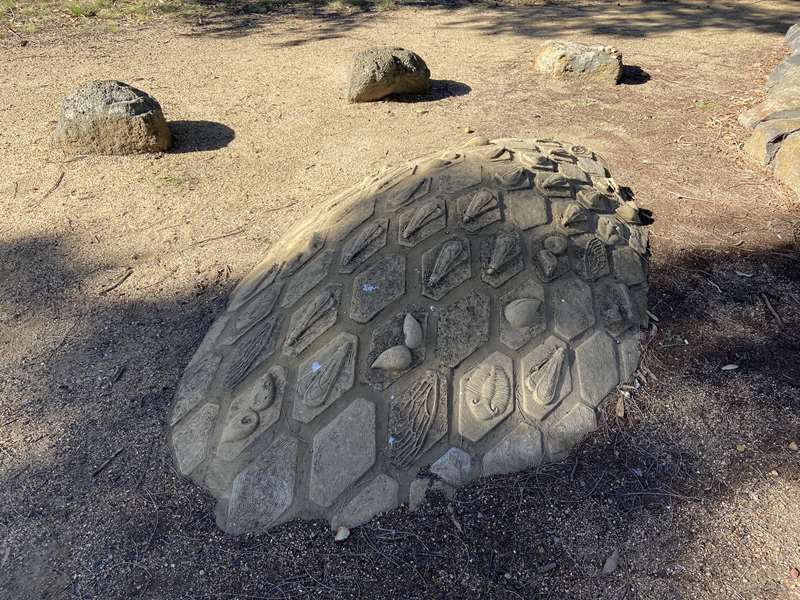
x=111, y=269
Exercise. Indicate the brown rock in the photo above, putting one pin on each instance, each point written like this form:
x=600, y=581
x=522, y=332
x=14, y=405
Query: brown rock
x=567, y=60
x=787, y=163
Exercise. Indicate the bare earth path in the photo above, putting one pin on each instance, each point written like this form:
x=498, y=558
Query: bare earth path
x=111, y=269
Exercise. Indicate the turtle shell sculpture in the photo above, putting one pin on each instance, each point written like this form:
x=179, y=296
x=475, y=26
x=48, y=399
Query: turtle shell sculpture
x=460, y=315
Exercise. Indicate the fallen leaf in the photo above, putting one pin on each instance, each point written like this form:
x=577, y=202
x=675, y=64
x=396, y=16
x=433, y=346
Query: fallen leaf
x=730, y=367
x=342, y=533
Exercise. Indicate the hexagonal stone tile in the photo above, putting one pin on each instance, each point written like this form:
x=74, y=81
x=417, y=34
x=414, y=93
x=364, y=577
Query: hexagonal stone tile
x=523, y=315
x=253, y=410
x=629, y=355
x=312, y=319
x=549, y=256
x=485, y=396
x=264, y=490
x=519, y=450
x=417, y=419
x=306, y=278
x=445, y=267
x=628, y=266
x=638, y=238
x=325, y=376
x=596, y=365
x=454, y=467
x=377, y=287
x=194, y=385
x=501, y=257
x=342, y=452
x=573, y=311
x=256, y=308
x=391, y=334
x=421, y=222
x=615, y=307
x=545, y=378
x=190, y=437
x=462, y=328
x=526, y=209
x=570, y=430
x=378, y=496
x=477, y=209
x=363, y=244
x=251, y=349
x=411, y=190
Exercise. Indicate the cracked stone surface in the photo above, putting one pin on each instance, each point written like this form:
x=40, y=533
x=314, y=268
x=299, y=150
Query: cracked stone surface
x=435, y=323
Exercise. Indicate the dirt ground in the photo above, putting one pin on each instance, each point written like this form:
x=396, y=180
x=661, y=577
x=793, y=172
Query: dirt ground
x=112, y=268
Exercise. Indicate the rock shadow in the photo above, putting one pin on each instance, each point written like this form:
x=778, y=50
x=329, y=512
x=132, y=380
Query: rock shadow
x=199, y=136
x=634, y=75
x=440, y=89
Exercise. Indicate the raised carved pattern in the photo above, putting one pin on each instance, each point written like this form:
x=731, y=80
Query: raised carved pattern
x=488, y=391
x=543, y=379
x=325, y=376
x=518, y=178
x=479, y=209
x=593, y=260
x=501, y=257
x=253, y=347
x=417, y=419
x=301, y=257
x=365, y=243
x=311, y=320
x=418, y=224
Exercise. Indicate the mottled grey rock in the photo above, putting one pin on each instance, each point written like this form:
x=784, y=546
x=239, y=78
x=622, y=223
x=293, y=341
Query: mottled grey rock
x=519, y=450
x=787, y=163
x=767, y=137
x=786, y=68
x=111, y=117
x=379, y=72
x=597, y=63
x=342, y=452
x=379, y=495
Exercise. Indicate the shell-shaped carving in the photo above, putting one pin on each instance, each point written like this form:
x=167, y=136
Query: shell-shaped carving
x=422, y=216
x=595, y=259
x=523, y=312
x=396, y=358
x=312, y=313
x=448, y=256
x=556, y=244
x=505, y=249
x=412, y=419
x=543, y=380
x=547, y=261
x=242, y=424
x=361, y=241
x=489, y=392
x=554, y=180
x=266, y=395
x=482, y=202
x=573, y=215
x=315, y=386
x=412, y=332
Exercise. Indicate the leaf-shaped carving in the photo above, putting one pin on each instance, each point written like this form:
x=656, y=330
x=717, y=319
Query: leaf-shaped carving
x=412, y=332
x=248, y=348
x=547, y=261
x=482, y=202
x=315, y=386
x=505, y=250
x=421, y=217
x=266, y=395
x=448, y=256
x=300, y=258
x=396, y=358
x=554, y=180
x=411, y=420
x=523, y=312
x=312, y=313
x=361, y=241
x=543, y=380
x=515, y=178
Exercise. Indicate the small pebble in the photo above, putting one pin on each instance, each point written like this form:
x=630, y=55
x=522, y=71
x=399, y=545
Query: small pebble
x=740, y=447
x=793, y=446
x=342, y=533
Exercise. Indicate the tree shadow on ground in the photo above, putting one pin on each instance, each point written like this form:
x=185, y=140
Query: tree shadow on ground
x=92, y=506
x=535, y=20
x=199, y=136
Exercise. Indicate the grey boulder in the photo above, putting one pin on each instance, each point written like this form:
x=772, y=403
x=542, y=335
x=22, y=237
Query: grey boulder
x=573, y=60
x=111, y=117
x=379, y=72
